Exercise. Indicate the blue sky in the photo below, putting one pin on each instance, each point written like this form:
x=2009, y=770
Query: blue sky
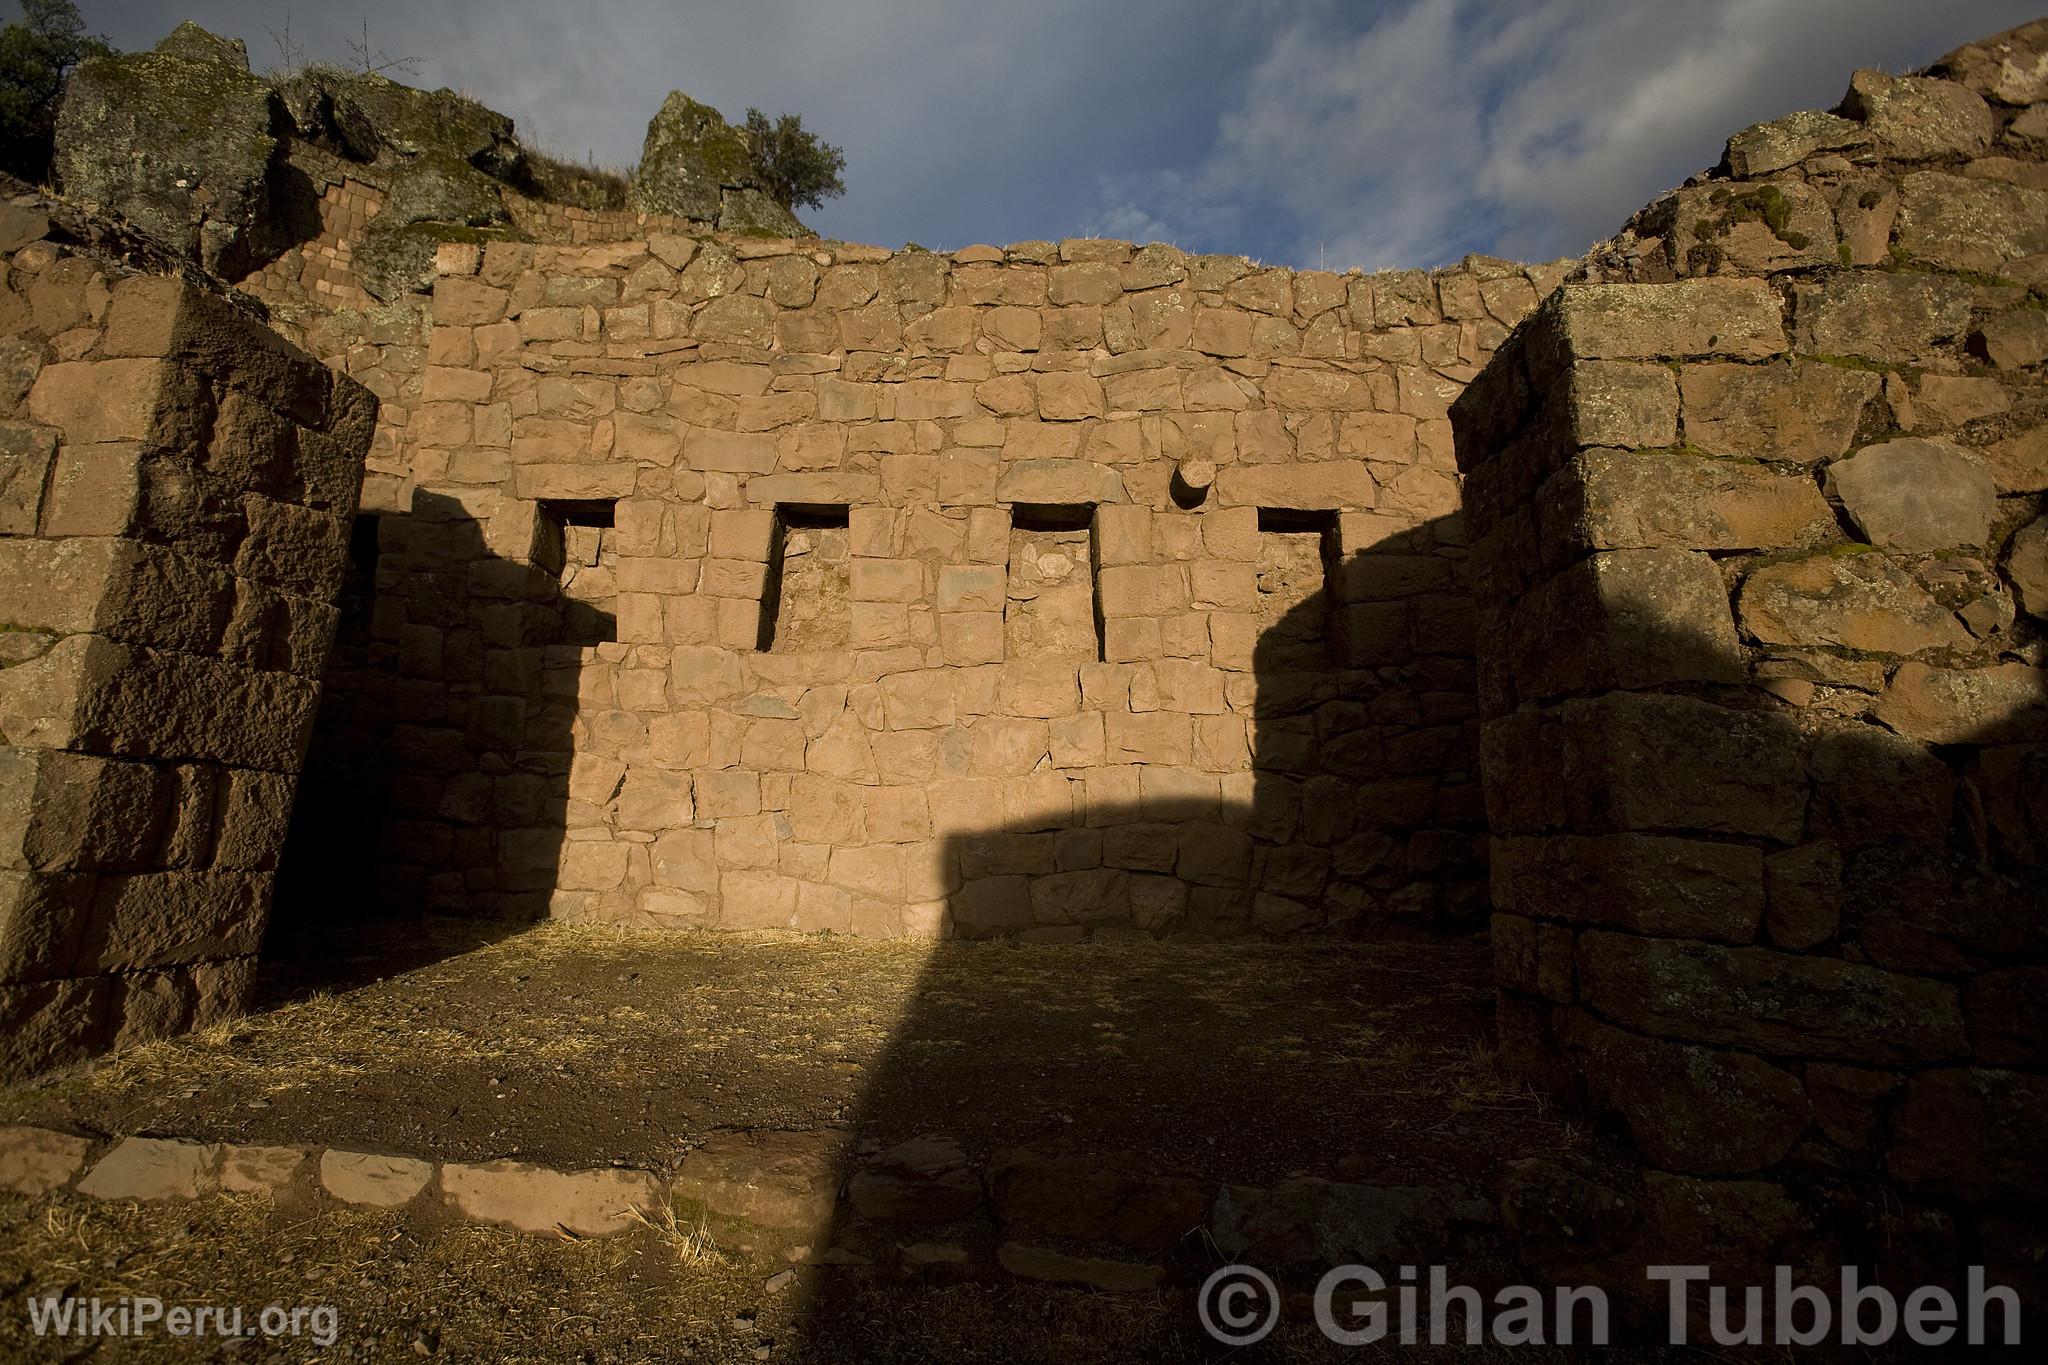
x=1373, y=133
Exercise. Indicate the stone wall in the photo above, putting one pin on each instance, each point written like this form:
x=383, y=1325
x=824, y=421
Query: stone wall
x=1065, y=587
x=1762, y=573
x=176, y=485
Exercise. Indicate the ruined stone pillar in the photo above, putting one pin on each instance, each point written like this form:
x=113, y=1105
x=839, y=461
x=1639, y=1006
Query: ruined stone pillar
x=176, y=489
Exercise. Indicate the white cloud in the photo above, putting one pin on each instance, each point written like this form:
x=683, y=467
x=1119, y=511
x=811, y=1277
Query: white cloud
x=1530, y=128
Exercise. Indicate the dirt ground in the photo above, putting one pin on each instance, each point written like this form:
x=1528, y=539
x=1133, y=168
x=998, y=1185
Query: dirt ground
x=576, y=1047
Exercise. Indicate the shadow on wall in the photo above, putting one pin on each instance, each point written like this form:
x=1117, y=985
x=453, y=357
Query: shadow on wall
x=410, y=781
x=1359, y=802
x=1786, y=936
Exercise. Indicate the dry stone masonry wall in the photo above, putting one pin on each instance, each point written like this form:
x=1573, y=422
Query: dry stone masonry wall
x=1759, y=550
x=1051, y=589
x=176, y=487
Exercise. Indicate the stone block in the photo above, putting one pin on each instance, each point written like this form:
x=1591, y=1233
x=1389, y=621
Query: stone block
x=518, y=1194
x=100, y=400
x=1773, y=1003
x=36, y=1161
x=1803, y=410
x=1713, y=317
x=1900, y=318
x=1913, y=494
x=1625, y=619
x=1060, y=483
x=260, y=1170
x=373, y=1180
x=1853, y=601
x=2002, y=704
x=1327, y=485
x=1614, y=500
x=154, y=1168
x=1650, y=884
x=1644, y=761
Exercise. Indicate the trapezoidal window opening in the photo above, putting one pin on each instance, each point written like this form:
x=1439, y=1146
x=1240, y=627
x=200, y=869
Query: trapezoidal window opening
x=804, y=601
x=575, y=545
x=1051, y=607
x=1295, y=605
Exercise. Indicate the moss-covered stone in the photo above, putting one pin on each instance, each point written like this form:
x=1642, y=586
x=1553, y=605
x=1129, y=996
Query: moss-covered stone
x=195, y=44
x=395, y=259
x=378, y=119
x=181, y=148
x=696, y=165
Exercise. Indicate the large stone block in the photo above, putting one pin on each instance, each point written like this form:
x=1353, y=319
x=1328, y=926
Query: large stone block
x=1643, y=883
x=2001, y=704
x=1905, y=319
x=1914, y=494
x=1964, y=223
x=1852, y=601
x=1059, y=483
x=1694, y=1109
x=1972, y=1132
x=1615, y=403
x=1645, y=761
x=1801, y=410
x=1624, y=619
x=1736, y=318
x=1768, y=1002
x=1916, y=117
x=1625, y=500
x=1329, y=485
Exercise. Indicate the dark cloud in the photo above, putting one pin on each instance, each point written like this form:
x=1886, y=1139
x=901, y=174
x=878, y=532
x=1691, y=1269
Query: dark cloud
x=1318, y=132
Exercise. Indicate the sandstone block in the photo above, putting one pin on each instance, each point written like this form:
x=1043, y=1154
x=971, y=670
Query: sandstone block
x=1627, y=619
x=1902, y=318
x=2002, y=704
x=1326, y=485
x=154, y=1168
x=1965, y=223
x=1062, y=483
x=37, y=1161
x=1643, y=883
x=1615, y=403
x=786, y=1182
x=531, y=1198
x=1915, y=117
x=260, y=1170
x=1691, y=1109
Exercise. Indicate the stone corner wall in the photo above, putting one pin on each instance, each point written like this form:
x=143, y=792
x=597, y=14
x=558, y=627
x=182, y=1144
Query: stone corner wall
x=1762, y=571
x=176, y=485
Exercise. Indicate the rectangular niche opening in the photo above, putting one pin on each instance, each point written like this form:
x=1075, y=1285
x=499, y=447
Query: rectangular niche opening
x=804, y=604
x=1050, y=606
x=575, y=545
x=1296, y=550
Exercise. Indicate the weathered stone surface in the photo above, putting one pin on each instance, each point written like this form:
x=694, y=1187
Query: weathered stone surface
x=1614, y=403
x=1769, y=1002
x=1879, y=315
x=692, y=160
x=1964, y=223
x=260, y=1170
x=1856, y=601
x=2026, y=564
x=1642, y=761
x=1692, y=1109
x=2011, y=67
x=36, y=1161
x=517, y=1194
x=1627, y=500
x=381, y=1182
x=154, y=1168
x=1093, y=1272
x=202, y=185
x=2002, y=704
x=1738, y=318
x=781, y=1181
x=1973, y=1132
x=1746, y=229
x=1915, y=117
x=1803, y=895
x=1766, y=147
x=1334, y=484
x=1059, y=483
x=1914, y=494
x=1624, y=618
x=1644, y=883
x=924, y=1180
x=1804, y=410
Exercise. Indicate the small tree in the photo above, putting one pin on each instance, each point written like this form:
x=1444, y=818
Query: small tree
x=37, y=51
x=800, y=170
